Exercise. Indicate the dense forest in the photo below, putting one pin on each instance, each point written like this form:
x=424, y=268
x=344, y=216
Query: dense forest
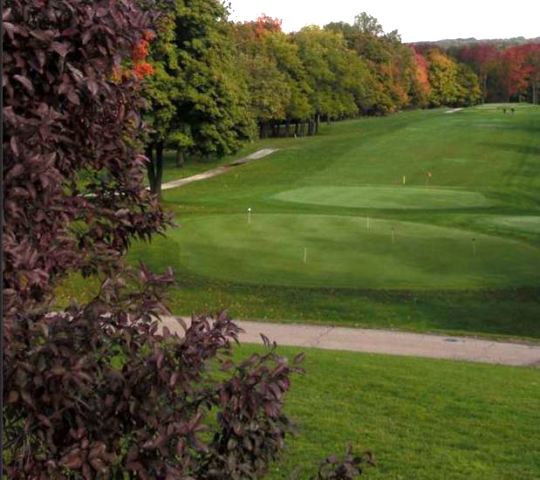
x=506, y=74
x=216, y=84
x=497, y=42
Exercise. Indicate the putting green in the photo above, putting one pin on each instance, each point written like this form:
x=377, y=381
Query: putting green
x=396, y=197
x=341, y=251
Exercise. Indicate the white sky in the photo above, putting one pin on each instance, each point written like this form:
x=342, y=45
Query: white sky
x=415, y=20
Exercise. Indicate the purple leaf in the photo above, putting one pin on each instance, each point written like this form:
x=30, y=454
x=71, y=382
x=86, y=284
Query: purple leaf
x=25, y=82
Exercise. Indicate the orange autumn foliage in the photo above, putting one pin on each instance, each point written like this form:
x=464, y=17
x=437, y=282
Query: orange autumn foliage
x=140, y=68
x=422, y=73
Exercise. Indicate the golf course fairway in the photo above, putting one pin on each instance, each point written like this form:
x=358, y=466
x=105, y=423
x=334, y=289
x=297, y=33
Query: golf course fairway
x=420, y=220
x=350, y=252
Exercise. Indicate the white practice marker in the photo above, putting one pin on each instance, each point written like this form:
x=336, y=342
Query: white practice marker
x=404, y=179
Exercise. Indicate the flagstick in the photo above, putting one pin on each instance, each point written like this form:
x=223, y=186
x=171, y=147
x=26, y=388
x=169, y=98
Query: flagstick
x=249, y=215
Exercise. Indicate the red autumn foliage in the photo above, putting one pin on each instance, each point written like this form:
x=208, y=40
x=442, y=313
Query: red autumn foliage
x=265, y=24
x=478, y=56
x=140, y=51
x=507, y=74
x=522, y=66
x=142, y=70
x=422, y=73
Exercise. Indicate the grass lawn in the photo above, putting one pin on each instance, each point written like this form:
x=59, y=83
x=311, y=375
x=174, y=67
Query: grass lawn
x=344, y=252
x=423, y=419
x=337, y=235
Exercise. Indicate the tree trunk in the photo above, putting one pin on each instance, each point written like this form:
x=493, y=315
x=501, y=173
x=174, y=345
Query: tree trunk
x=288, y=128
x=310, y=127
x=155, y=167
x=149, y=152
x=159, y=169
x=180, y=160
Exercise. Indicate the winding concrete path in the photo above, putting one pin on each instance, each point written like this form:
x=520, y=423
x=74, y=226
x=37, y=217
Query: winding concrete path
x=218, y=170
x=454, y=110
x=386, y=342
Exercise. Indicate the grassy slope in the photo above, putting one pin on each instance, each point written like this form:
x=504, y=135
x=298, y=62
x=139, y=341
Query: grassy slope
x=492, y=159
x=339, y=251
x=423, y=419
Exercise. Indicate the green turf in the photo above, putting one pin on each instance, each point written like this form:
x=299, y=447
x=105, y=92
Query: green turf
x=529, y=224
x=345, y=251
x=423, y=419
x=396, y=197
x=316, y=193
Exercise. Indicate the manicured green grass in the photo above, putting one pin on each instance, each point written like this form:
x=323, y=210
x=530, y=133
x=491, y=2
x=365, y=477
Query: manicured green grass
x=423, y=419
x=396, y=197
x=529, y=223
x=343, y=252
x=317, y=193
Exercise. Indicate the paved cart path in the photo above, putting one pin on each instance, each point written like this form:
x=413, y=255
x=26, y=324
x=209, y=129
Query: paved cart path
x=218, y=170
x=386, y=342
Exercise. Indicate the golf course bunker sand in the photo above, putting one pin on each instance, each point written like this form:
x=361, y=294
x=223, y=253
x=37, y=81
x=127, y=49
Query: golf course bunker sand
x=396, y=197
x=349, y=252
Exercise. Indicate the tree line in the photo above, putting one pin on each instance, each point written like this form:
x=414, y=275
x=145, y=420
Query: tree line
x=507, y=73
x=217, y=83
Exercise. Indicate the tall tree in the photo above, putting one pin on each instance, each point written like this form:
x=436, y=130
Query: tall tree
x=199, y=102
x=480, y=57
x=451, y=83
x=277, y=78
x=390, y=62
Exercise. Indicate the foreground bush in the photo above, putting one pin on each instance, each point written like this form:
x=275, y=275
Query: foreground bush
x=105, y=392
x=101, y=391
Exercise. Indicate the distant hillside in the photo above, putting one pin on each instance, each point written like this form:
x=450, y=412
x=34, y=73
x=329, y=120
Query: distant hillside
x=460, y=42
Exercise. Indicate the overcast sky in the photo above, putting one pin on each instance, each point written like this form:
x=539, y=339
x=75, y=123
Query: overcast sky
x=414, y=19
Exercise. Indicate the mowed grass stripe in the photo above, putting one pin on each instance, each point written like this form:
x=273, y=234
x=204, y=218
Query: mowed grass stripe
x=346, y=252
